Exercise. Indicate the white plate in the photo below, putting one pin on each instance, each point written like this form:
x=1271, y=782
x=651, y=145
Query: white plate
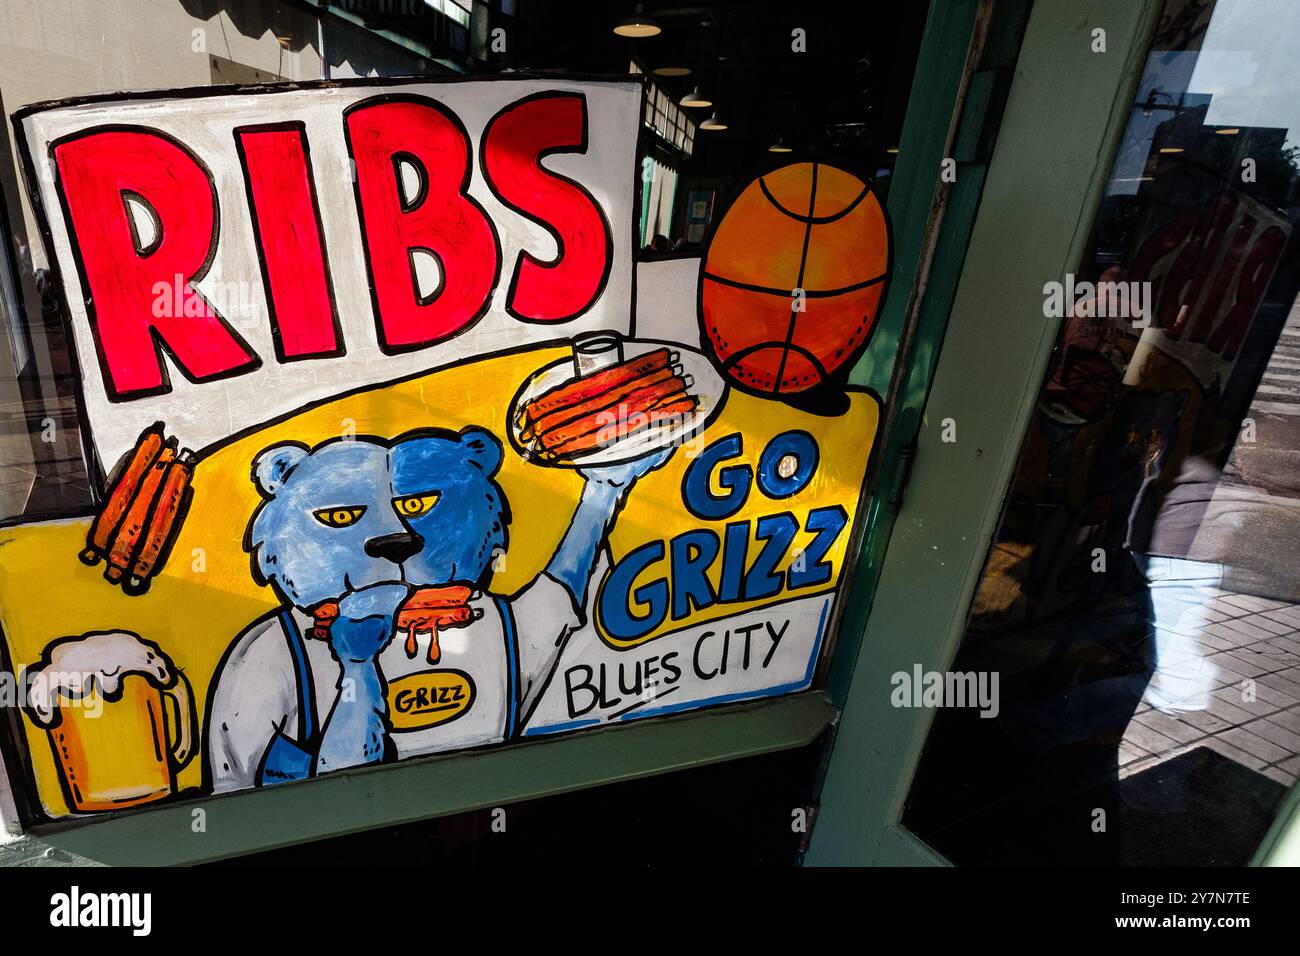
x=708, y=390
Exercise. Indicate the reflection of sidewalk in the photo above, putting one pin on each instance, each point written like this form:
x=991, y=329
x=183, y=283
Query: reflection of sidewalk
x=1249, y=639
x=1279, y=389
x=38, y=475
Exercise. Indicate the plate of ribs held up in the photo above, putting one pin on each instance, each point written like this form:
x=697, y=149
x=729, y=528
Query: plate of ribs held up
x=615, y=400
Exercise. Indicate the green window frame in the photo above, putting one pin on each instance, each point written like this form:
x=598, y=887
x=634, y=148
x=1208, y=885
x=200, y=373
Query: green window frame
x=1065, y=113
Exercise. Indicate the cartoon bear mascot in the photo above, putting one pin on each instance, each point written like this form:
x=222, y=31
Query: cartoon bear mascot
x=361, y=525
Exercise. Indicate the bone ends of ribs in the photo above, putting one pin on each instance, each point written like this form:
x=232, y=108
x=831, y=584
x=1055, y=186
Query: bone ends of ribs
x=141, y=513
x=587, y=414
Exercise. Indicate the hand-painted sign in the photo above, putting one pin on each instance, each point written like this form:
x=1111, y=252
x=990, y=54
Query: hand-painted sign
x=393, y=468
x=228, y=259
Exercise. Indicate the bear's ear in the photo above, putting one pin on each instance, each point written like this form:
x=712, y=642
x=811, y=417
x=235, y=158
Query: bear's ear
x=484, y=449
x=273, y=466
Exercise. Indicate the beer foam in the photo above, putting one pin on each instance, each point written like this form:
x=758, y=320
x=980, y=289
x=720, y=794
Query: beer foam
x=96, y=661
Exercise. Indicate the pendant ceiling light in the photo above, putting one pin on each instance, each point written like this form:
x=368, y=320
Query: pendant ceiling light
x=638, y=25
x=695, y=98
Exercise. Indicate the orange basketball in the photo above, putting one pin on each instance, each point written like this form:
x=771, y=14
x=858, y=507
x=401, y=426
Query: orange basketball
x=792, y=278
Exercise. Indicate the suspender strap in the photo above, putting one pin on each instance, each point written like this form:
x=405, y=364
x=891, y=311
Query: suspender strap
x=512, y=666
x=302, y=675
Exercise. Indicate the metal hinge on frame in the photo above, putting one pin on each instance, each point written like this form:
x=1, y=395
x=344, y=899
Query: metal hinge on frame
x=981, y=115
x=901, y=476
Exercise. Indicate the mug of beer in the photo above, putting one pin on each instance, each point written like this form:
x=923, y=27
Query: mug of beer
x=119, y=715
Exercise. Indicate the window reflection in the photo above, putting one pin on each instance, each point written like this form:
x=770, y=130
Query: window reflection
x=1142, y=598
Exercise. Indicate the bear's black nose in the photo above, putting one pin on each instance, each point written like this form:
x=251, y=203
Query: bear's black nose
x=395, y=547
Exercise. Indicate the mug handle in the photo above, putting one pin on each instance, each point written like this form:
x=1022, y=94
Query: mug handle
x=181, y=694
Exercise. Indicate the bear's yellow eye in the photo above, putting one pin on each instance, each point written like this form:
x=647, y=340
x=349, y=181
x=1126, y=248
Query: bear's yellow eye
x=339, y=517
x=412, y=506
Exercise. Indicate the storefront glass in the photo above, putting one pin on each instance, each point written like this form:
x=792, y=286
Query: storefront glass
x=404, y=230
x=1139, y=609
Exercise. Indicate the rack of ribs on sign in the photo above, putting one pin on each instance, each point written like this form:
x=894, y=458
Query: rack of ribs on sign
x=425, y=611
x=148, y=494
x=592, y=412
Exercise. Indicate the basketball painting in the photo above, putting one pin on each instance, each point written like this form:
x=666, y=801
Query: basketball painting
x=792, y=280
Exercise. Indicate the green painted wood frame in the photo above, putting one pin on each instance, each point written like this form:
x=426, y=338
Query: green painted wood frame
x=356, y=800
x=1064, y=116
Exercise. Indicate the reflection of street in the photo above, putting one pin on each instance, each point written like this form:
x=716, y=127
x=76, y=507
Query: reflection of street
x=1253, y=632
x=38, y=476
x=1248, y=639
x=1197, y=788
x=1142, y=597
x=1279, y=390
x=1269, y=462
x=1252, y=520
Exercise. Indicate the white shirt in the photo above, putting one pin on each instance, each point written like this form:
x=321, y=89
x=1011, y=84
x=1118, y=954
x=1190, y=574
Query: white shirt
x=473, y=696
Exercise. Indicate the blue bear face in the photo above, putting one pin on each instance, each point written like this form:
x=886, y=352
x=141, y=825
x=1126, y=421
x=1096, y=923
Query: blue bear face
x=422, y=509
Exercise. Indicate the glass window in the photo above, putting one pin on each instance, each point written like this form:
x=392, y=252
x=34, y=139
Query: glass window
x=1140, y=604
x=665, y=117
x=455, y=9
x=787, y=542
